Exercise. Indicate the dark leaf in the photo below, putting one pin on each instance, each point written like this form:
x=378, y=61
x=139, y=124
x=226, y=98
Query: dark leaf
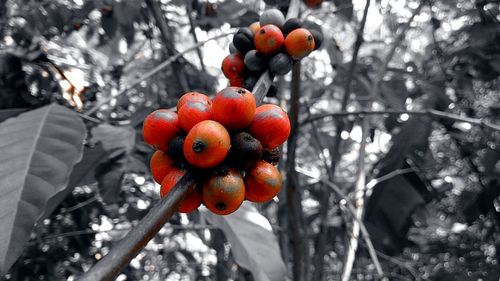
x=8, y=113
x=118, y=142
x=37, y=152
x=412, y=139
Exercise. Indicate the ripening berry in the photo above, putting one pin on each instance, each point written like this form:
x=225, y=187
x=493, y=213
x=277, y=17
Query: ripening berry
x=270, y=126
x=262, y=182
x=159, y=127
x=224, y=193
x=206, y=144
x=234, y=108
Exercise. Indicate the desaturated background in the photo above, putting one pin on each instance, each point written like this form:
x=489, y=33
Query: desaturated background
x=77, y=77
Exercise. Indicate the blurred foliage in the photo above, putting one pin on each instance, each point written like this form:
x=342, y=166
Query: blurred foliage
x=446, y=174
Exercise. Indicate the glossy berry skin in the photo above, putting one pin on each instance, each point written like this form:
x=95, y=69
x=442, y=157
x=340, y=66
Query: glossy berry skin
x=192, y=96
x=223, y=194
x=207, y=144
x=233, y=65
x=262, y=182
x=159, y=127
x=234, y=108
x=299, y=43
x=193, y=113
x=160, y=165
x=269, y=39
x=193, y=198
x=270, y=126
x=242, y=43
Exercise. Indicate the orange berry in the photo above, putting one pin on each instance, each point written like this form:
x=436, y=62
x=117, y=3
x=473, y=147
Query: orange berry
x=159, y=127
x=206, y=144
x=223, y=194
x=299, y=43
x=234, y=108
x=270, y=126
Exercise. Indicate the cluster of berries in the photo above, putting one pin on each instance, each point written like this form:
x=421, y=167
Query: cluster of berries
x=270, y=44
x=228, y=143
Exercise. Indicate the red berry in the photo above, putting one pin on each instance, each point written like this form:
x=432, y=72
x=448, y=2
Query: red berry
x=270, y=126
x=192, y=96
x=233, y=65
x=262, y=182
x=234, y=108
x=159, y=127
x=160, y=165
x=268, y=39
x=193, y=113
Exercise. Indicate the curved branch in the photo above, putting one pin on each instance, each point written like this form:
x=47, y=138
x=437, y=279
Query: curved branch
x=153, y=71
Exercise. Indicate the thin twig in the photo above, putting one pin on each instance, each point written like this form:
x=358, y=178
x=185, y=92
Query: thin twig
x=153, y=71
x=334, y=148
x=168, y=40
x=350, y=207
x=430, y=112
x=192, y=29
x=359, y=196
